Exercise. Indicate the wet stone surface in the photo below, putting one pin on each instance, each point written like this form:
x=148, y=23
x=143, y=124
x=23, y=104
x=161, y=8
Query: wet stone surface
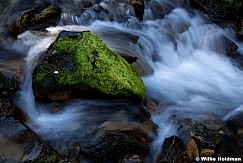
x=19, y=143
x=9, y=84
x=203, y=136
x=6, y=107
x=171, y=150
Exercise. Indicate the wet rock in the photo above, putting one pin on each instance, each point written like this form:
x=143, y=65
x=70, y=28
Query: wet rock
x=138, y=6
x=142, y=68
x=223, y=45
x=3, y=37
x=98, y=8
x=235, y=124
x=228, y=147
x=197, y=5
x=206, y=152
x=157, y=9
x=230, y=46
x=152, y=106
x=114, y=145
x=226, y=10
x=9, y=84
x=128, y=132
x=132, y=159
x=191, y=151
x=37, y=18
x=6, y=107
x=74, y=154
x=212, y=123
x=85, y=4
x=17, y=143
x=139, y=127
x=79, y=64
x=203, y=136
x=239, y=32
x=129, y=59
x=234, y=130
x=172, y=149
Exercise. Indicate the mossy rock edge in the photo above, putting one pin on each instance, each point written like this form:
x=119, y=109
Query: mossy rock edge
x=79, y=64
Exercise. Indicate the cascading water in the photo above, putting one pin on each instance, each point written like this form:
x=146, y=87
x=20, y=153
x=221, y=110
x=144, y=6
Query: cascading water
x=186, y=74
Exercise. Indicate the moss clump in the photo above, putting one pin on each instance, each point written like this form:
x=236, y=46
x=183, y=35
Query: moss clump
x=84, y=61
x=38, y=18
x=52, y=12
x=49, y=157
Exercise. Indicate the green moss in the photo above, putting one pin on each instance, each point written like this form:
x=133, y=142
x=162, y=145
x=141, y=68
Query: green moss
x=48, y=12
x=53, y=157
x=218, y=140
x=95, y=66
x=41, y=76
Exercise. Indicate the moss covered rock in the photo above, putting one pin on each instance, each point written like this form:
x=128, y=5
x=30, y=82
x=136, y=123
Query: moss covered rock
x=79, y=64
x=37, y=18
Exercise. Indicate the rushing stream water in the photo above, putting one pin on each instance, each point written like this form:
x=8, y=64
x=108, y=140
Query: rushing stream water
x=185, y=73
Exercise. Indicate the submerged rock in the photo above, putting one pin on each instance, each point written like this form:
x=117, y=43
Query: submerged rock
x=37, y=18
x=79, y=64
x=230, y=47
x=104, y=131
x=157, y=9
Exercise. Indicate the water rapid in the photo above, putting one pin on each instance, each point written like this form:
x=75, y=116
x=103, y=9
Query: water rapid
x=186, y=73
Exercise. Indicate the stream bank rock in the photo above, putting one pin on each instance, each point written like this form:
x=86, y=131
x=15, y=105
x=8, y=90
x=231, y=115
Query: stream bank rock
x=19, y=144
x=219, y=9
x=79, y=64
x=6, y=108
x=37, y=18
x=231, y=144
x=9, y=84
x=139, y=7
x=171, y=150
x=204, y=137
x=222, y=12
x=114, y=145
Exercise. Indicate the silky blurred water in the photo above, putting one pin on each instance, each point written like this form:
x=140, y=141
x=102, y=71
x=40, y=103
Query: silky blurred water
x=187, y=73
